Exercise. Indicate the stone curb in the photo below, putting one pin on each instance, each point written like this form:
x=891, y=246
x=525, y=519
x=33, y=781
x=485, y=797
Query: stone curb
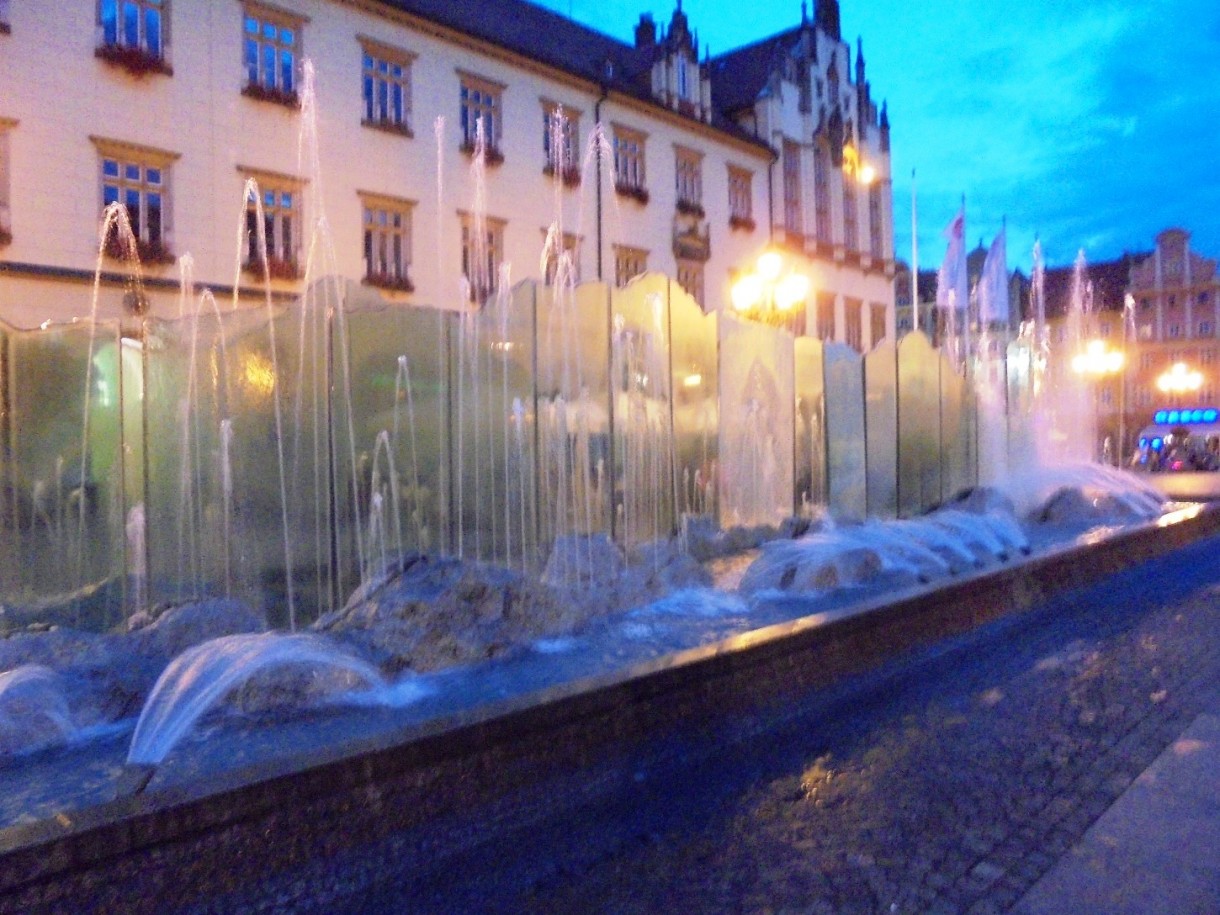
x=227, y=831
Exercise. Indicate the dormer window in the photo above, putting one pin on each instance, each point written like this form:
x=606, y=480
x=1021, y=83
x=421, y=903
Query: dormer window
x=683, y=79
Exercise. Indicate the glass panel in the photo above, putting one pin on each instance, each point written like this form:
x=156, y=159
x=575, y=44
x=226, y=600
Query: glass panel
x=287, y=71
x=643, y=479
x=757, y=400
x=573, y=409
x=131, y=24
x=131, y=172
x=251, y=59
x=810, y=451
x=70, y=402
x=881, y=428
x=696, y=405
x=845, y=429
x=493, y=446
x=919, y=470
x=110, y=22
x=957, y=433
x=152, y=30
x=110, y=168
x=268, y=75
x=391, y=431
x=192, y=554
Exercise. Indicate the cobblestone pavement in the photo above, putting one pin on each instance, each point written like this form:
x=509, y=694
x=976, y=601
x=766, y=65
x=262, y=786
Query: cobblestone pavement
x=946, y=783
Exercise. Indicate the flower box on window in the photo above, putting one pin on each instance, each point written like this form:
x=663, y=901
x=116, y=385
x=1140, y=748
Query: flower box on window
x=389, y=126
x=136, y=61
x=277, y=268
x=690, y=208
x=570, y=175
x=389, y=282
x=634, y=191
x=260, y=93
x=744, y=223
x=491, y=154
x=119, y=247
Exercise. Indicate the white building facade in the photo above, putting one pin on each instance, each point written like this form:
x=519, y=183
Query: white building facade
x=360, y=122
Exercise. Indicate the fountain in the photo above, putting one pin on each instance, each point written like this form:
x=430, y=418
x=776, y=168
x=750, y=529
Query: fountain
x=451, y=498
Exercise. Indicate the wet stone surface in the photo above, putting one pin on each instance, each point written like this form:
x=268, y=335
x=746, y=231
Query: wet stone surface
x=948, y=782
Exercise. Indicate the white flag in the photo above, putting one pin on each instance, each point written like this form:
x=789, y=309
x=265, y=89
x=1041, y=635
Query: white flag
x=993, y=285
x=951, y=284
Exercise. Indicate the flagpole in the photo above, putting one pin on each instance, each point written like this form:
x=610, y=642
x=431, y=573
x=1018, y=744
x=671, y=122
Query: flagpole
x=914, y=257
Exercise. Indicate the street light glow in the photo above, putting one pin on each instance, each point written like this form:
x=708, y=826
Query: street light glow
x=1097, y=360
x=1179, y=379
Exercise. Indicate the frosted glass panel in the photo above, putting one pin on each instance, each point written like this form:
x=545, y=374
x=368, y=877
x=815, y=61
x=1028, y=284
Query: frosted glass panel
x=757, y=397
x=72, y=402
x=919, y=458
x=846, y=470
x=810, y=450
x=881, y=420
x=696, y=388
x=573, y=407
x=644, y=484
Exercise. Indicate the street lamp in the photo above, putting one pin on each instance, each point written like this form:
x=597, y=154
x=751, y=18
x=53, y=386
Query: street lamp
x=1179, y=380
x=770, y=294
x=1097, y=361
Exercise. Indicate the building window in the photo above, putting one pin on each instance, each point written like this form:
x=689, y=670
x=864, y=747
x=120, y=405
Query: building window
x=4, y=26
x=851, y=226
x=628, y=263
x=853, y=331
x=561, y=143
x=1203, y=298
x=1107, y=396
x=387, y=242
x=385, y=86
x=6, y=224
x=482, y=254
x=876, y=246
x=688, y=181
x=1103, y=330
x=825, y=323
x=876, y=321
x=1207, y=356
x=278, y=199
x=821, y=193
x=271, y=47
x=137, y=179
x=792, y=188
x=132, y=35
x=1174, y=331
x=1147, y=361
x=1206, y=329
x=1172, y=301
x=629, y=163
x=480, y=112
x=561, y=258
x=690, y=278
x=741, y=199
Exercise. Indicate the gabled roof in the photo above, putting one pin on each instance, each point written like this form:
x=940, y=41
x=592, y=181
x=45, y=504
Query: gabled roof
x=564, y=44
x=739, y=76
x=1109, y=278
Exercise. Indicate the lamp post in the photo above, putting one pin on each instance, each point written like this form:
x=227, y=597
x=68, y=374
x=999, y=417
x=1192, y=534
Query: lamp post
x=771, y=293
x=1179, y=379
x=1096, y=362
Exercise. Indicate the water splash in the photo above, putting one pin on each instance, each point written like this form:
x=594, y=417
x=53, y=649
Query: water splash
x=197, y=680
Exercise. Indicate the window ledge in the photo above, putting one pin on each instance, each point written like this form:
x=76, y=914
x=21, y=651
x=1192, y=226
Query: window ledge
x=136, y=61
x=260, y=93
x=635, y=192
x=690, y=208
x=389, y=283
x=149, y=253
x=491, y=154
x=276, y=268
x=393, y=127
x=570, y=175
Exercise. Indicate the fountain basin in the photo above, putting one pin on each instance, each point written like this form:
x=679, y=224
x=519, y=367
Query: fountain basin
x=147, y=852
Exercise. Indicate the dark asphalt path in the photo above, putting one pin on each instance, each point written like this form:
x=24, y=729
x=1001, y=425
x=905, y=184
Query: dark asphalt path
x=950, y=781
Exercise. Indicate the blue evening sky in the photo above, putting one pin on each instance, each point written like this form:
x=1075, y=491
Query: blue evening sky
x=1092, y=124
